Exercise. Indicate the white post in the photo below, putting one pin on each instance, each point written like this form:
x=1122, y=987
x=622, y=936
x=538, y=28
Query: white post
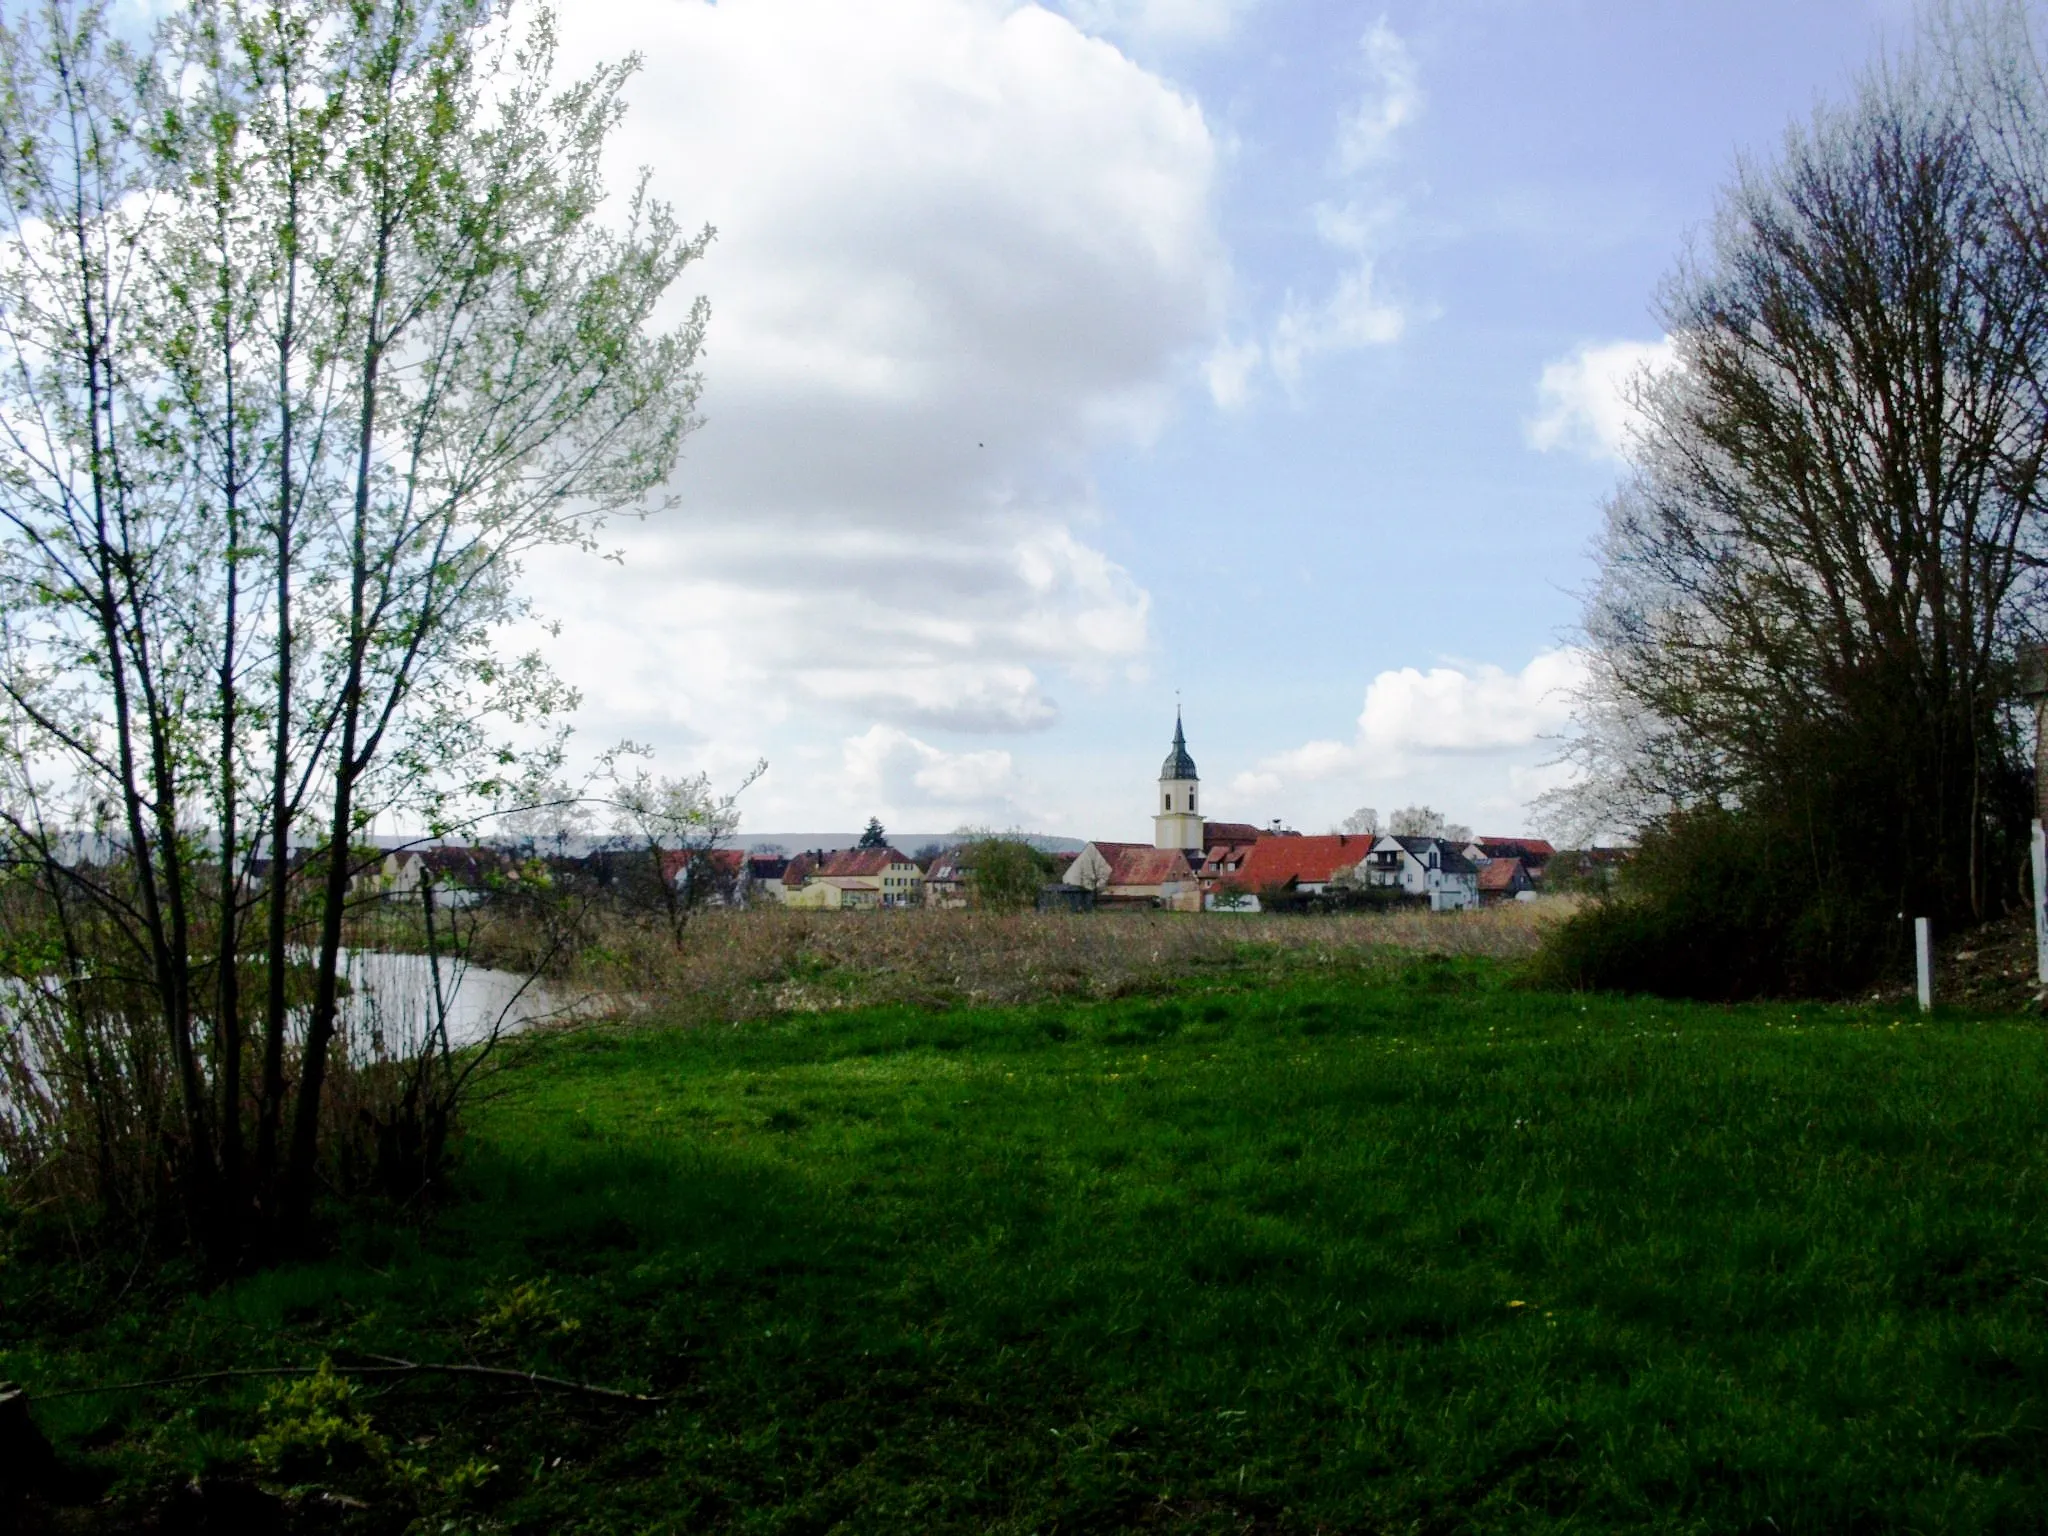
x=1923, y=956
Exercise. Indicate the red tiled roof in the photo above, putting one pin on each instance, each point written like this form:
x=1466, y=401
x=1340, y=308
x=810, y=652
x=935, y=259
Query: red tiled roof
x=1534, y=848
x=1112, y=851
x=1139, y=865
x=850, y=862
x=1214, y=832
x=1499, y=874
x=726, y=861
x=1304, y=860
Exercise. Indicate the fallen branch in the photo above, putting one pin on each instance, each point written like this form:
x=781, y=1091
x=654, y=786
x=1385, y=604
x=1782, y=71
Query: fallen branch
x=393, y=1366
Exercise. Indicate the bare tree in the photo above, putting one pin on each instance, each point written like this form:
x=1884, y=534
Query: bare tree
x=1363, y=822
x=1416, y=821
x=1813, y=583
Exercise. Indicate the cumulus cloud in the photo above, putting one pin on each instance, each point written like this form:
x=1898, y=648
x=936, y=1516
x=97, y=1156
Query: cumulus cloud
x=1586, y=403
x=961, y=246
x=1355, y=223
x=1472, y=740
x=899, y=774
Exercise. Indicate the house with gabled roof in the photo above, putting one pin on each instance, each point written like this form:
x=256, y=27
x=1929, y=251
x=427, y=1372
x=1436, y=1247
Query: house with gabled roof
x=1432, y=867
x=1534, y=852
x=1094, y=866
x=946, y=878
x=1305, y=866
x=853, y=878
x=1504, y=880
x=1149, y=876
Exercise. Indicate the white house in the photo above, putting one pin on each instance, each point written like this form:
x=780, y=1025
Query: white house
x=1425, y=866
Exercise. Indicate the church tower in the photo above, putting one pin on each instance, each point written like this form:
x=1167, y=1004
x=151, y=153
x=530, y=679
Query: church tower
x=1178, y=823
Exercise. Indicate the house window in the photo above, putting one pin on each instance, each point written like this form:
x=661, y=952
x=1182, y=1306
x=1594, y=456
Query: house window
x=1169, y=803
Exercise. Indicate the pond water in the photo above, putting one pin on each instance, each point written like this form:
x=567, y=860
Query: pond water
x=393, y=996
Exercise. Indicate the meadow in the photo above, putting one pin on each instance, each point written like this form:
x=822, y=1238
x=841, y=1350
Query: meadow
x=1311, y=1239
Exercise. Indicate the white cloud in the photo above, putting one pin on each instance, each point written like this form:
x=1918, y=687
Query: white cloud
x=1472, y=740
x=1391, y=100
x=1353, y=316
x=1161, y=21
x=1586, y=399
x=1228, y=371
x=961, y=245
x=1358, y=224
x=898, y=774
x=1486, y=709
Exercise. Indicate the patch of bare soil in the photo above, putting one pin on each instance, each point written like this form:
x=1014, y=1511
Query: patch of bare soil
x=1987, y=969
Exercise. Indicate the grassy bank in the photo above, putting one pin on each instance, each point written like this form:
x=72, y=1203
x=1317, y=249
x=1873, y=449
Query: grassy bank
x=1337, y=1247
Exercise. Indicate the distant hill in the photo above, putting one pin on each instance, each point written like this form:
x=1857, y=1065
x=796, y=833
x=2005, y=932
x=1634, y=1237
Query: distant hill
x=794, y=842
x=905, y=842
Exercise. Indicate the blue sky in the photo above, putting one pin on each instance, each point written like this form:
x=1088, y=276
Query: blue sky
x=1262, y=350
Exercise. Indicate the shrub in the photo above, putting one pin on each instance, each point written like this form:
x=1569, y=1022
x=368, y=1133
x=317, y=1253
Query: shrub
x=1005, y=873
x=1721, y=905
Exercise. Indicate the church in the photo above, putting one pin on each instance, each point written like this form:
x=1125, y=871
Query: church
x=1196, y=865
x=1184, y=846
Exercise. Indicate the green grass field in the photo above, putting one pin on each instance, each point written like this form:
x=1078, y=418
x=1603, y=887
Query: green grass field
x=1392, y=1248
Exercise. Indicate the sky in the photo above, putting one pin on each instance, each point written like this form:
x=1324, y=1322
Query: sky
x=1071, y=363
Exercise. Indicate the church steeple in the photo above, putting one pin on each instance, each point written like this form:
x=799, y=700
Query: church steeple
x=1178, y=821
x=1178, y=764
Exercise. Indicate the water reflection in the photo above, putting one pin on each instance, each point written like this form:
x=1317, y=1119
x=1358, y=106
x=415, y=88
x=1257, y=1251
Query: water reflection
x=391, y=1001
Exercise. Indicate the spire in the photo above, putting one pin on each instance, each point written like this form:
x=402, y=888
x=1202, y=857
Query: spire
x=1178, y=764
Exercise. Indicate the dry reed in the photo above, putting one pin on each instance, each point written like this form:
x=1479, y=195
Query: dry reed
x=735, y=965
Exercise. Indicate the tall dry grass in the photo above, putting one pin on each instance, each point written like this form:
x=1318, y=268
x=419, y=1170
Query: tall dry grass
x=735, y=965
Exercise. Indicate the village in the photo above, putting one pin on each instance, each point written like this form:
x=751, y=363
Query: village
x=1192, y=864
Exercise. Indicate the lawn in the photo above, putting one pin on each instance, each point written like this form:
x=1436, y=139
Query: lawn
x=1373, y=1245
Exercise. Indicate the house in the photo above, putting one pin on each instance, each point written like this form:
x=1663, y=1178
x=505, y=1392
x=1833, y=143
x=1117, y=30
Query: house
x=1425, y=866
x=714, y=876
x=946, y=880
x=1534, y=852
x=259, y=867
x=1231, y=833
x=894, y=878
x=1147, y=876
x=396, y=876
x=798, y=871
x=853, y=878
x=461, y=876
x=1131, y=873
x=1504, y=880
x=1095, y=865
x=763, y=877
x=1304, y=865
